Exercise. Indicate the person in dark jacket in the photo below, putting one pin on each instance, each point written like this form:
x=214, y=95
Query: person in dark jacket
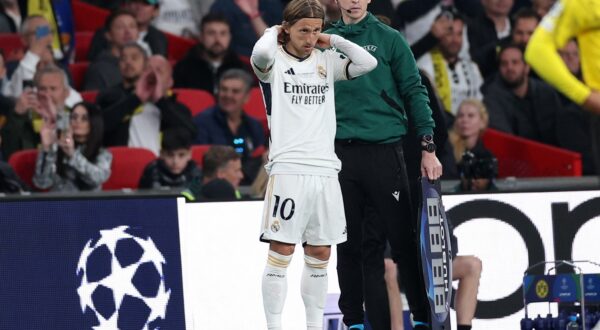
x=521, y=105
x=144, y=11
x=204, y=63
x=175, y=166
x=136, y=111
x=227, y=124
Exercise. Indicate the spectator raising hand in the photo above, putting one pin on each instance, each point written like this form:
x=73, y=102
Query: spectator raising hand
x=250, y=8
x=48, y=135
x=26, y=102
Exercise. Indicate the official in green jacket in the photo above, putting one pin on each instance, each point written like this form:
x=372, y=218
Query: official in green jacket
x=373, y=114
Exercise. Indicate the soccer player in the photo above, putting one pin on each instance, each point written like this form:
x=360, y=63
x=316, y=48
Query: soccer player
x=566, y=20
x=373, y=116
x=303, y=202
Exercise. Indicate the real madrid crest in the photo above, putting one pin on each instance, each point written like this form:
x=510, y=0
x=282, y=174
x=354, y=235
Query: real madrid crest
x=322, y=72
x=275, y=226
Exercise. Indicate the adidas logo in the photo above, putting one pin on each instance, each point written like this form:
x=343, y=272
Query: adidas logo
x=290, y=71
x=396, y=195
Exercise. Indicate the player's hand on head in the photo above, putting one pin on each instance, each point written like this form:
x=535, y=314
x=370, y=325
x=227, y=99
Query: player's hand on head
x=431, y=167
x=324, y=40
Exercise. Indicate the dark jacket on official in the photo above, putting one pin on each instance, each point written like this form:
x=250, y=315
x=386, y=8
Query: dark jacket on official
x=157, y=175
x=155, y=38
x=533, y=117
x=119, y=104
x=195, y=72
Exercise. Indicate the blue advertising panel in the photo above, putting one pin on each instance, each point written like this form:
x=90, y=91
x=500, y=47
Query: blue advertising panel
x=102, y=264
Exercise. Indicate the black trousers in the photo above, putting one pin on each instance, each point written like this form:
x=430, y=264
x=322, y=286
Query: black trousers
x=374, y=176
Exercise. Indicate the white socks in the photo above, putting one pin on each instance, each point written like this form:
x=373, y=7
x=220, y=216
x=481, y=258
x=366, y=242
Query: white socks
x=314, y=291
x=274, y=288
x=313, y=288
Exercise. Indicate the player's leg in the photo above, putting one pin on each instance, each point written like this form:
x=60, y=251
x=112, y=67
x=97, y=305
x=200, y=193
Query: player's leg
x=394, y=295
x=349, y=254
x=314, y=282
x=283, y=225
x=392, y=199
x=467, y=270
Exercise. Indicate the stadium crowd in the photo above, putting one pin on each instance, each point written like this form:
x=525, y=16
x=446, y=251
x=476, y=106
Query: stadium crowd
x=134, y=93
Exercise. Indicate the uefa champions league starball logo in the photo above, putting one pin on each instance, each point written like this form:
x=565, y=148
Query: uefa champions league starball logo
x=122, y=281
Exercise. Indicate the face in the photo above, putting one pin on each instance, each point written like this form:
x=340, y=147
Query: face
x=476, y=184
x=468, y=121
x=216, y=37
x=176, y=160
x=53, y=86
x=570, y=55
x=144, y=13
x=232, y=95
x=451, y=43
x=523, y=30
x=131, y=63
x=541, y=7
x=33, y=25
x=80, y=124
x=513, y=69
x=162, y=67
x=232, y=172
x=303, y=36
x=497, y=7
x=353, y=10
x=124, y=29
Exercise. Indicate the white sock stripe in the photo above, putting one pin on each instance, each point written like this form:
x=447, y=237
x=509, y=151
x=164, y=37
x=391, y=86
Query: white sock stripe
x=315, y=263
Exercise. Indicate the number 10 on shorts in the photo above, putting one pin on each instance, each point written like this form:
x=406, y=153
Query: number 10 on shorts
x=287, y=209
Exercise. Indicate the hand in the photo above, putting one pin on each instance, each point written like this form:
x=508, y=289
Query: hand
x=144, y=88
x=48, y=135
x=67, y=144
x=592, y=103
x=159, y=89
x=26, y=102
x=46, y=109
x=430, y=166
x=249, y=7
x=441, y=27
x=40, y=46
x=324, y=41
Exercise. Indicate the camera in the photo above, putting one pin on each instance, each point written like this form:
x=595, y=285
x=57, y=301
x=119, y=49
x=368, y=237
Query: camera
x=478, y=166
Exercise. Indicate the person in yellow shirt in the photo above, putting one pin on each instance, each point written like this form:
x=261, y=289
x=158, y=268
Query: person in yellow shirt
x=566, y=20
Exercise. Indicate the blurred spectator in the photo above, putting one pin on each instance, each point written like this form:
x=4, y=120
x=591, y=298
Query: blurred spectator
x=222, y=176
x=73, y=159
x=205, y=62
x=248, y=20
x=471, y=122
x=486, y=30
x=143, y=12
x=519, y=104
x=456, y=79
x=478, y=169
x=135, y=112
x=575, y=125
x=332, y=11
x=174, y=168
x=525, y=22
x=441, y=26
x=541, y=7
x=37, y=38
x=3, y=75
x=7, y=22
x=227, y=124
x=104, y=70
x=10, y=183
x=46, y=100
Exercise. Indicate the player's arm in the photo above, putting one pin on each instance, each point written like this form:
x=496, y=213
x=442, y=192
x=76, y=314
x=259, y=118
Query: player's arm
x=542, y=52
x=359, y=60
x=263, y=53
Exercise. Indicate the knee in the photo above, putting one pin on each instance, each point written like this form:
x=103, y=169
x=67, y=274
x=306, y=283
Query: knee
x=318, y=252
x=281, y=248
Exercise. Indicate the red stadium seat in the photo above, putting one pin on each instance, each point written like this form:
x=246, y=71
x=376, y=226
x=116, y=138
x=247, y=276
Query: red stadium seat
x=83, y=40
x=521, y=157
x=89, y=96
x=127, y=167
x=198, y=152
x=23, y=162
x=197, y=100
x=256, y=108
x=12, y=46
x=78, y=71
x=87, y=17
x=178, y=46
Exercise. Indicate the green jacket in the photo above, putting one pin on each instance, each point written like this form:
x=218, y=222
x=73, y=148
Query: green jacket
x=378, y=106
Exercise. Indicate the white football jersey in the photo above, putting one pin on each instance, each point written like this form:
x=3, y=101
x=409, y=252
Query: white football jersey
x=299, y=98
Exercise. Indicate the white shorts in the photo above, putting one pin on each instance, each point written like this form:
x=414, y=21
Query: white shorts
x=304, y=209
